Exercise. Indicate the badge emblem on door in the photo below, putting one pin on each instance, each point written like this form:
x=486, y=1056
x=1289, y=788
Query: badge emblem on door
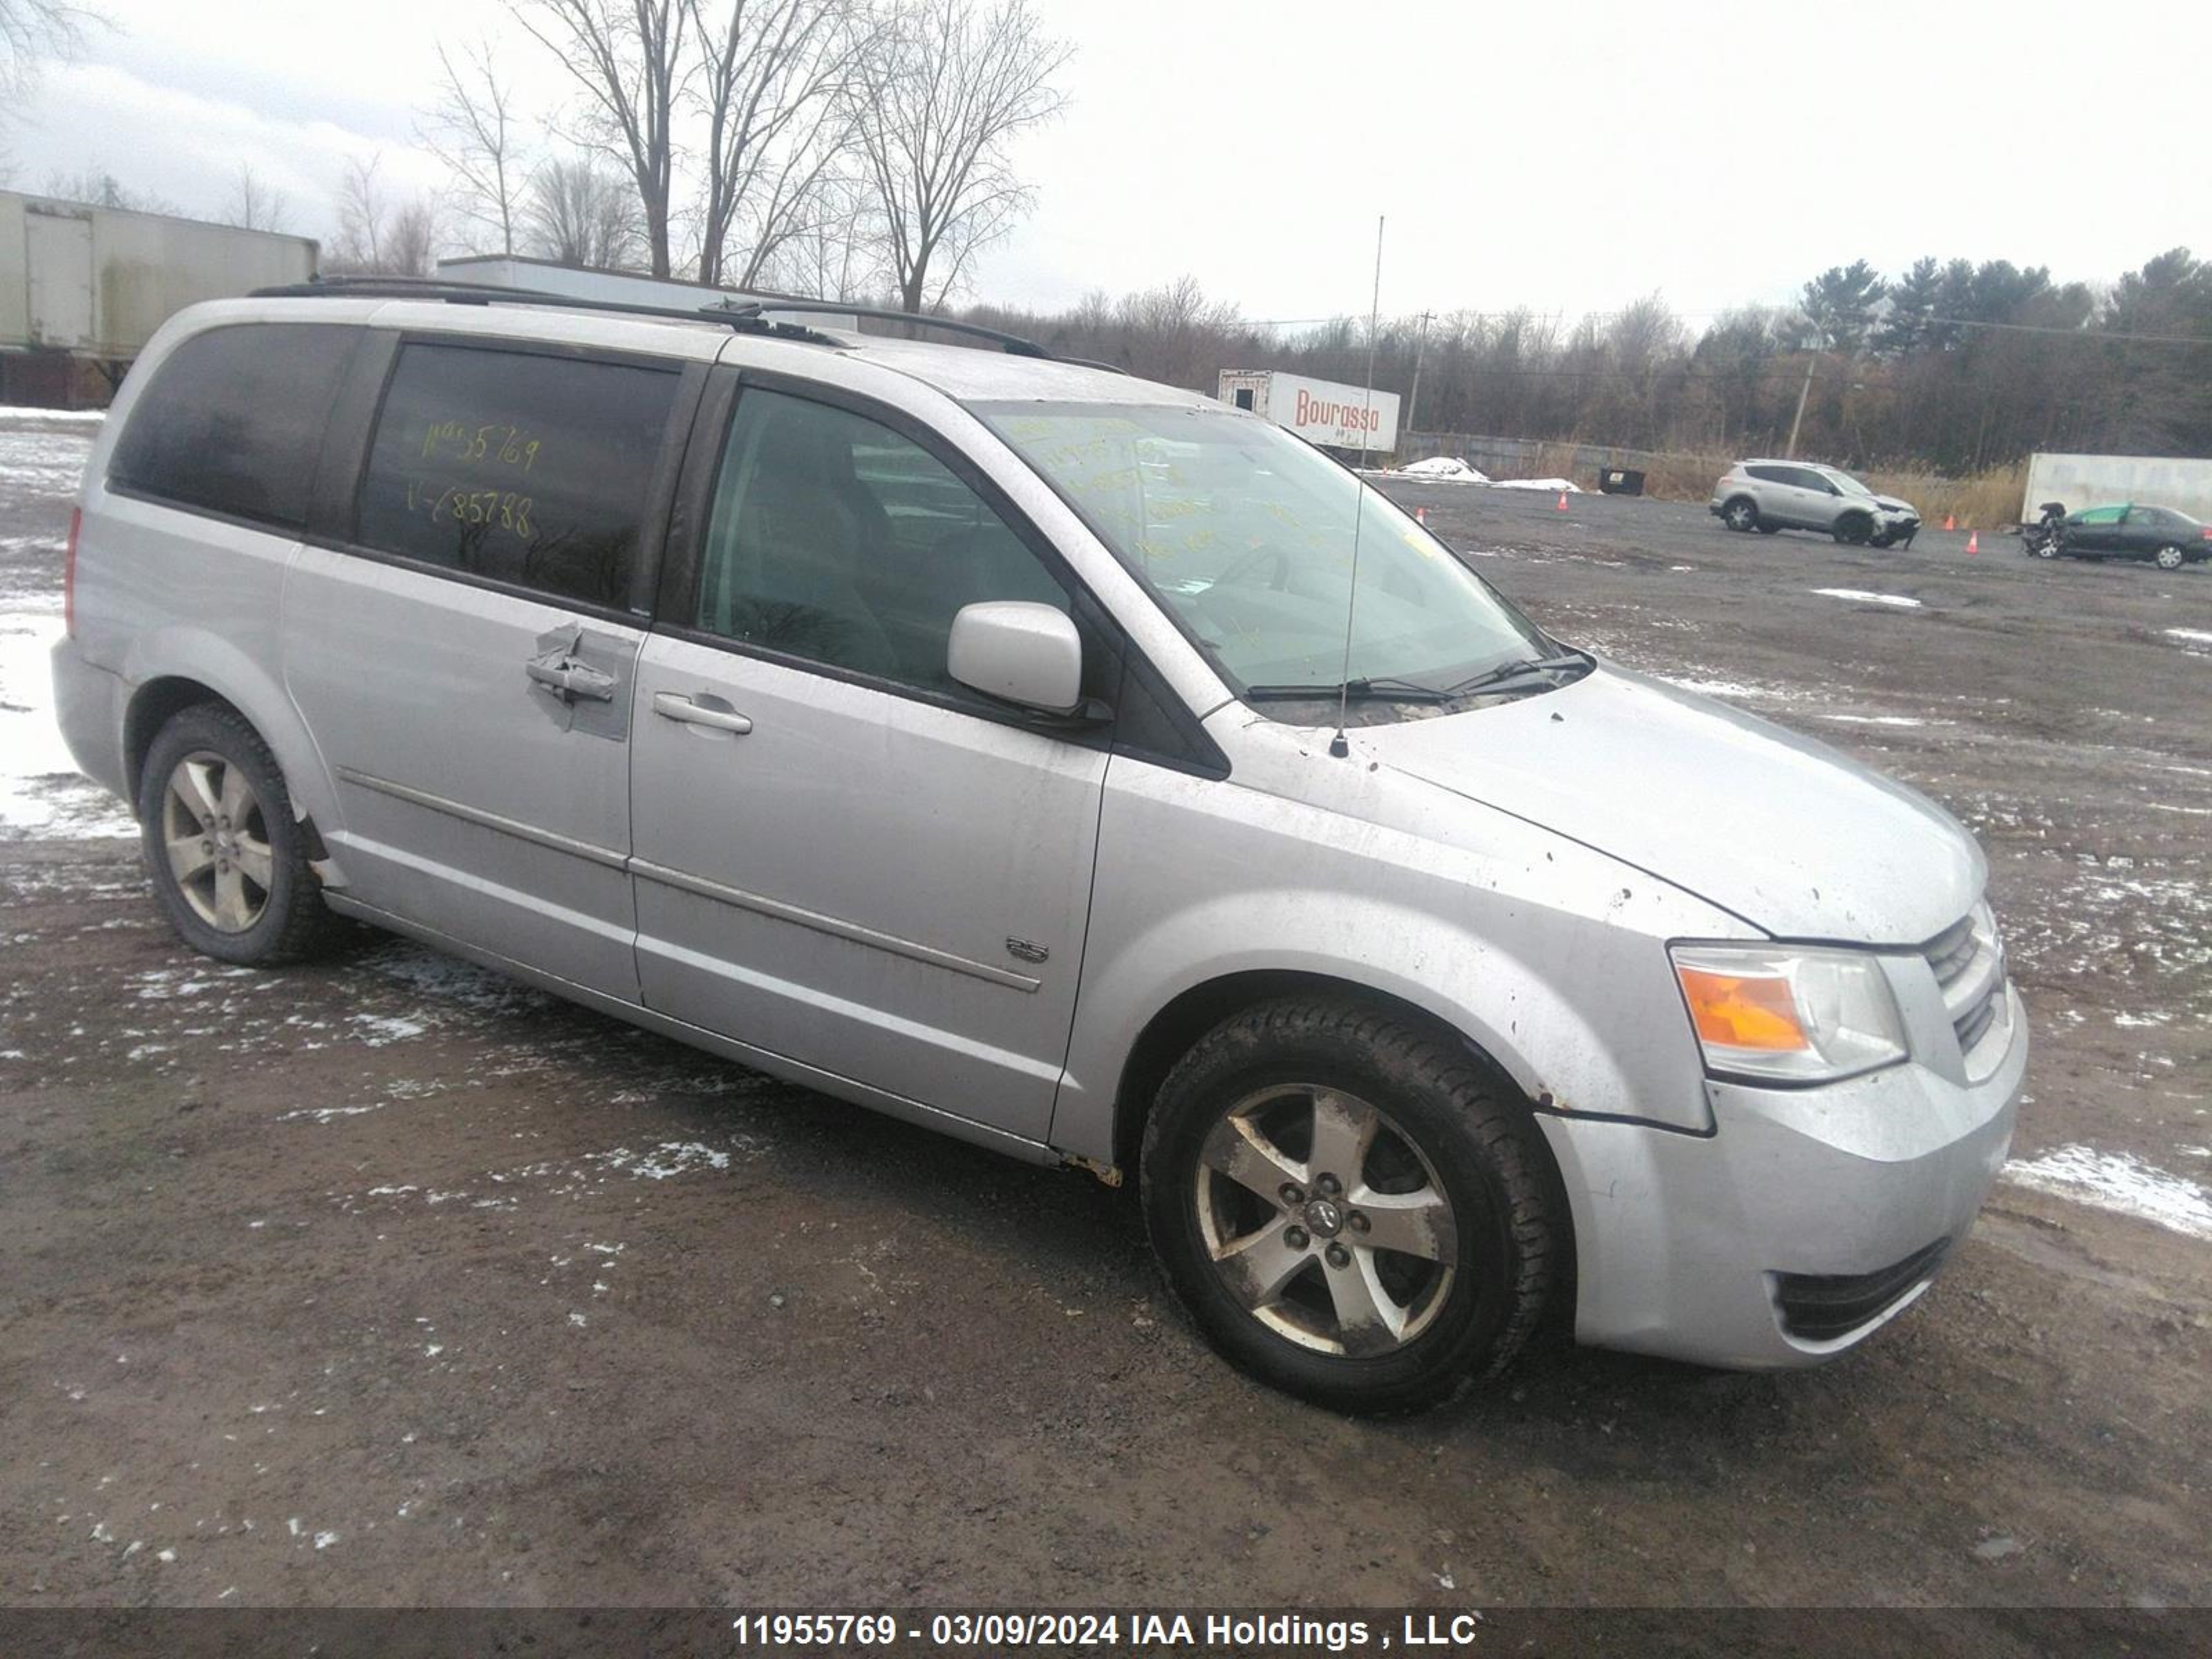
x=1022, y=951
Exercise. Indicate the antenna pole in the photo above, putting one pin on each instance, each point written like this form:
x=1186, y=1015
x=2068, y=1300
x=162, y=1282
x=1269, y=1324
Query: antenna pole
x=1338, y=745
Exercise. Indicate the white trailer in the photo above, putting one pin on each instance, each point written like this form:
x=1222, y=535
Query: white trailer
x=2181, y=483
x=1320, y=412
x=96, y=281
x=619, y=287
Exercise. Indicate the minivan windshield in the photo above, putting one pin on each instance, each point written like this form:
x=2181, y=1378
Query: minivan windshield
x=1245, y=534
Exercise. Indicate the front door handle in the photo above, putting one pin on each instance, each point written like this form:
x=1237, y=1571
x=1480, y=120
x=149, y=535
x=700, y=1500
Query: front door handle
x=571, y=679
x=672, y=706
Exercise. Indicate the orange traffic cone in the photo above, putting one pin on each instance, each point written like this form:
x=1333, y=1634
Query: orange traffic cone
x=1974, y=541
x=1420, y=515
x=1950, y=521
x=1563, y=502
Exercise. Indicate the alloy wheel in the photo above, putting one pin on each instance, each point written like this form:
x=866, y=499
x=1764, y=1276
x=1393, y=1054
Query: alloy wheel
x=1325, y=1220
x=216, y=840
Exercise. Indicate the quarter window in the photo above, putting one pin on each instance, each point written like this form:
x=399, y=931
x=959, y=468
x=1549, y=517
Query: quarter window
x=232, y=421
x=518, y=467
x=835, y=539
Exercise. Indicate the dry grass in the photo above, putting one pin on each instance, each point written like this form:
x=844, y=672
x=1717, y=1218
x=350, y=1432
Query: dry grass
x=1986, y=500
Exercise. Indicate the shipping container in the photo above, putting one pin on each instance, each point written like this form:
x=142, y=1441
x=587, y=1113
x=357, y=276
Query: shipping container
x=1334, y=417
x=95, y=282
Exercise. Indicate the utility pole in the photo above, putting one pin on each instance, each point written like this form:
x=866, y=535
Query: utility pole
x=1421, y=350
x=1803, y=393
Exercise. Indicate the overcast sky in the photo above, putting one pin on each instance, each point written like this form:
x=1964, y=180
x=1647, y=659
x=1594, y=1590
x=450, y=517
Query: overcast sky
x=1567, y=158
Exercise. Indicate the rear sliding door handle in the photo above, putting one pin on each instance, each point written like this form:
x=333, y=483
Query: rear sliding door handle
x=568, y=679
x=672, y=706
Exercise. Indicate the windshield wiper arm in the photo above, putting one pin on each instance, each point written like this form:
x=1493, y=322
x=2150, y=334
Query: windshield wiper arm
x=1363, y=690
x=1526, y=668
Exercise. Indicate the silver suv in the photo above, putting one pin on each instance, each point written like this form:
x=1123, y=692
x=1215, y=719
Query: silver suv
x=957, y=732
x=1770, y=496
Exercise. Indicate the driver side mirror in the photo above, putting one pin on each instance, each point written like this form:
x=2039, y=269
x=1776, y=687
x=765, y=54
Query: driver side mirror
x=1019, y=652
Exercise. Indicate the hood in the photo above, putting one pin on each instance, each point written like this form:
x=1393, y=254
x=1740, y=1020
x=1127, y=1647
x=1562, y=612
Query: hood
x=1796, y=839
x=1896, y=504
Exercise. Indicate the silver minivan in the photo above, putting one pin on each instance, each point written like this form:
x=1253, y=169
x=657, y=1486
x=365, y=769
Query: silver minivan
x=1064, y=762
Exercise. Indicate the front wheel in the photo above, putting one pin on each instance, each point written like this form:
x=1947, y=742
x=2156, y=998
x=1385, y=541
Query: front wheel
x=228, y=860
x=2169, y=558
x=1350, y=1207
x=1853, y=529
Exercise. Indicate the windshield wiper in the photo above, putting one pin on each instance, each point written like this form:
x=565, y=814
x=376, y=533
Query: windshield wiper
x=1507, y=674
x=1379, y=690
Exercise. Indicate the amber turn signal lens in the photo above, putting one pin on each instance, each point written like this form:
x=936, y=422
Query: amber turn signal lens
x=1742, y=1013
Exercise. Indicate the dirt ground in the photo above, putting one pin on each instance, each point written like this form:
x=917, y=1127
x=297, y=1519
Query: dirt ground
x=391, y=1282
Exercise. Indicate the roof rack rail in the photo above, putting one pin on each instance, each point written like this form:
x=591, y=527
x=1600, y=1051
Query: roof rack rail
x=745, y=316
x=754, y=316
x=1016, y=345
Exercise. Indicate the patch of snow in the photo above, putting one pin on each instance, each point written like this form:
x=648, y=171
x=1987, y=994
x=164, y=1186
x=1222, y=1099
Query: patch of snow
x=2119, y=1182
x=1864, y=598
x=16, y=415
x=2194, y=635
x=1442, y=469
x=378, y=1030
x=41, y=791
x=1556, y=486
x=1878, y=720
x=670, y=1158
x=1712, y=688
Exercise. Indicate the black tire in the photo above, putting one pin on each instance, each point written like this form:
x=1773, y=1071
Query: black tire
x=1764, y=528
x=287, y=921
x=1471, y=1141
x=2171, y=557
x=1741, y=514
x=2045, y=549
x=1853, y=529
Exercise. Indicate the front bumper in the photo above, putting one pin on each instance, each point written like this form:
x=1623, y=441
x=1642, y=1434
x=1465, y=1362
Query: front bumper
x=1707, y=1247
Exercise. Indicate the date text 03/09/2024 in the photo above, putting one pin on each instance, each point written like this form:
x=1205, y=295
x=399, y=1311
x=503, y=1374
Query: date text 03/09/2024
x=1286, y=1631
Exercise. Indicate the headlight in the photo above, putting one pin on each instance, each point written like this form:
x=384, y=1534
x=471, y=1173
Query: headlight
x=1789, y=1013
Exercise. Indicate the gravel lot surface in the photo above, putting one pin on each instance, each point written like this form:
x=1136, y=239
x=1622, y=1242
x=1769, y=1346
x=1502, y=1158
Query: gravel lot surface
x=389, y=1281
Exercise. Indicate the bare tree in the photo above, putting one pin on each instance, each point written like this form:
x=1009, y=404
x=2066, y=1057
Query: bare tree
x=576, y=214
x=837, y=253
x=253, y=205
x=96, y=186
x=472, y=131
x=948, y=89
x=410, y=246
x=363, y=212
x=377, y=237
x=627, y=56
x=31, y=31
x=773, y=83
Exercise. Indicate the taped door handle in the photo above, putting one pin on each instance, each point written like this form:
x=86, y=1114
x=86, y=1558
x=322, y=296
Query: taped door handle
x=673, y=706
x=570, y=680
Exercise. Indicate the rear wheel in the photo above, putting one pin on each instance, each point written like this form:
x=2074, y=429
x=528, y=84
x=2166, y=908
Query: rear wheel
x=2169, y=558
x=1349, y=1205
x=1742, y=514
x=228, y=859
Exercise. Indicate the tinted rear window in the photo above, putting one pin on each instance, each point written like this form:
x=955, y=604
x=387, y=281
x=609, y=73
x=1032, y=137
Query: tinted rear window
x=519, y=467
x=234, y=420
